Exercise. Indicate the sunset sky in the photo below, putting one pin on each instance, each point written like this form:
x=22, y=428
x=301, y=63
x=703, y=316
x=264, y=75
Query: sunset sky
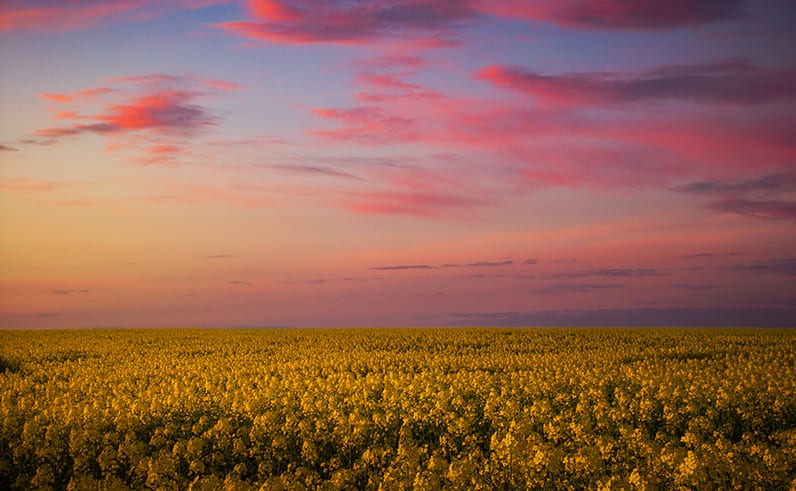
x=397, y=163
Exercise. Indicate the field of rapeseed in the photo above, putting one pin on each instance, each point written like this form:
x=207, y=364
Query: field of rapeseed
x=398, y=409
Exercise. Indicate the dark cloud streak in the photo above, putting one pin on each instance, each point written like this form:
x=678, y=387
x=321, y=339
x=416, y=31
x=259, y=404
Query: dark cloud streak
x=400, y=267
x=733, y=81
x=68, y=291
x=344, y=22
x=565, y=288
x=479, y=264
x=784, y=266
x=613, y=272
x=639, y=15
x=765, y=209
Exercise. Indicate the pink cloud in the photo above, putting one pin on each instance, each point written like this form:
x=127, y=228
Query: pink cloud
x=432, y=23
x=444, y=189
x=389, y=100
x=409, y=203
x=380, y=87
x=161, y=111
x=738, y=131
x=563, y=148
x=747, y=143
x=368, y=125
x=735, y=81
x=634, y=15
x=344, y=22
x=53, y=15
x=165, y=110
x=153, y=114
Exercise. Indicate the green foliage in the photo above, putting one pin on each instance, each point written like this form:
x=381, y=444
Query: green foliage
x=398, y=409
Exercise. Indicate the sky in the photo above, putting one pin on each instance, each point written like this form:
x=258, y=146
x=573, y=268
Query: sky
x=330, y=163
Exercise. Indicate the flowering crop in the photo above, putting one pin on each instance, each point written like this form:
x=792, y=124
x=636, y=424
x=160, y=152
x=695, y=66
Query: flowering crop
x=398, y=409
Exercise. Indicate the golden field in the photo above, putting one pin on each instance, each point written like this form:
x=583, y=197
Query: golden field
x=398, y=409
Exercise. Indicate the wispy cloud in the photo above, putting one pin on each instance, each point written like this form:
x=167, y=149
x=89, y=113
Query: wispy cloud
x=68, y=291
x=702, y=255
x=161, y=111
x=565, y=288
x=698, y=287
x=735, y=81
x=220, y=256
x=152, y=114
x=399, y=267
x=475, y=264
x=391, y=78
x=764, y=197
x=435, y=22
x=638, y=15
x=313, y=281
x=783, y=266
x=343, y=22
x=409, y=203
x=239, y=283
x=7, y=148
x=615, y=272
x=767, y=209
x=384, y=85
x=629, y=151
x=479, y=264
x=360, y=279
x=369, y=125
x=780, y=181
x=46, y=15
x=312, y=171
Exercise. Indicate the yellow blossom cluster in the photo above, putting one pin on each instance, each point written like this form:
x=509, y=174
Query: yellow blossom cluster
x=398, y=409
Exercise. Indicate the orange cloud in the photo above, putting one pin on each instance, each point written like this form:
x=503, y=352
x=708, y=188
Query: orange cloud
x=62, y=98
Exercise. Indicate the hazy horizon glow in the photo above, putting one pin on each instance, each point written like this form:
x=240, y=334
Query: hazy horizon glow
x=397, y=163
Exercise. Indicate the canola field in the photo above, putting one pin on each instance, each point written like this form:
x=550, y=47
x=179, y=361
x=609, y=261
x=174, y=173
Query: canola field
x=491, y=409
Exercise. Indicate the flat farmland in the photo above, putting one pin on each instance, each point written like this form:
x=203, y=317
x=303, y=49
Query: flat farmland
x=398, y=409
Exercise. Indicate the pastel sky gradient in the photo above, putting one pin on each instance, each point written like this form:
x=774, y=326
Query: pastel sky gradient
x=397, y=163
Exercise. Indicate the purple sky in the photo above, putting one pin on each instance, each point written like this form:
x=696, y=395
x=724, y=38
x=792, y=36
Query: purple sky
x=392, y=163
